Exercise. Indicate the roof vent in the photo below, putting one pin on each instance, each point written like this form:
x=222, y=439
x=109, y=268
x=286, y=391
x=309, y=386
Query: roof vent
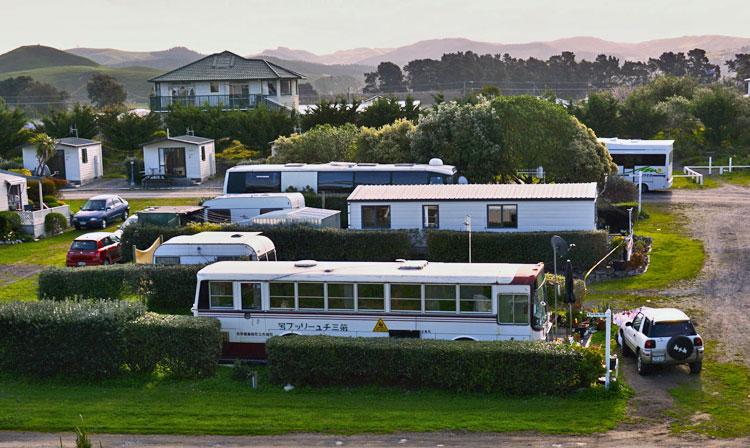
x=404, y=164
x=305, y=263
x=436, y=162
x=413, y=264
x=294, y=164
x=236, y=235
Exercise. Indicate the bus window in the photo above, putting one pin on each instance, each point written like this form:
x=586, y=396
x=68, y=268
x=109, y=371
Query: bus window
x=410, y=178
x=254, y=182
x=310, y=295
x=513, y=309
x=220, y=295
x=335, y=181
x=372, y=178
x=340, y=296
x=250, y=293
x=282, y=296
x=406, y=298
x=475, y=298
x=371, y=297
x=438, y=179
x=440, y=298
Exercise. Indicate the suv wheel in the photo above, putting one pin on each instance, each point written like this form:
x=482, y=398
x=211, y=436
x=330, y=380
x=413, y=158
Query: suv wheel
x=695, y=367
x=626, y=351
x=640, y=366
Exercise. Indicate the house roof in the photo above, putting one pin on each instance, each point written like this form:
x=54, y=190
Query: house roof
x=75, y=141
x=190, y=139
x=227, y=66
x=473, y=192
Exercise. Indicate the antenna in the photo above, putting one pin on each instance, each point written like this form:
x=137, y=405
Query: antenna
x=189, y=131
x=73, y=130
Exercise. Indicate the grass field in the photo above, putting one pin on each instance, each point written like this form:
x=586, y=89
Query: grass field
x=221, y=405
x=739, y=177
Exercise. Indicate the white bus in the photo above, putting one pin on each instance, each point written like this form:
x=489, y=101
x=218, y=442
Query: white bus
x=334, y=177
x=453, y=301
x=652, y=158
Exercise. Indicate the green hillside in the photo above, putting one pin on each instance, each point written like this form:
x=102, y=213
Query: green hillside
x=73, y=80
x=37, y=56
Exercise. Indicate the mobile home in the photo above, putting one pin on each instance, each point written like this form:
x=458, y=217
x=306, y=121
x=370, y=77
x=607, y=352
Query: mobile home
x=77, y=160
x=240, y=208
x=209, y=247
x=651, y=158
x=185, y=157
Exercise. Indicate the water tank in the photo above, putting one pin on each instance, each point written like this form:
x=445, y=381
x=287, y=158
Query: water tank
x=436, y=162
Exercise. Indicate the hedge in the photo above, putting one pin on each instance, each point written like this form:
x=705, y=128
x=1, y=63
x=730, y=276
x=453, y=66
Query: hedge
x=164, y=289
x=55, y=223
x=293, y=242
x=507, y=367
x=10, y=225
x=99, y=338
x=516, y=247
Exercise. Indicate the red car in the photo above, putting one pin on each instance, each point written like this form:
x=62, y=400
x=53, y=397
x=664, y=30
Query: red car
x=93, y=249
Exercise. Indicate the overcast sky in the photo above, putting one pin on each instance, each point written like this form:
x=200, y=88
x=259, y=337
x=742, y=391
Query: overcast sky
x=322, y=26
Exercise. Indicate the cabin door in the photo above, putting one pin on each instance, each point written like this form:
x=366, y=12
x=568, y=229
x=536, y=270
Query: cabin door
x=172, y=162
x=57, y=164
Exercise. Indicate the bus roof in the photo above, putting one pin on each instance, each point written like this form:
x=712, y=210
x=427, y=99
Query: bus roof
x=347, y=166
x=415, y=271
x=624, y=145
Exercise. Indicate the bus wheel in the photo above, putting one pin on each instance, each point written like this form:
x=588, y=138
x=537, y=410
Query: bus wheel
x=644, y=188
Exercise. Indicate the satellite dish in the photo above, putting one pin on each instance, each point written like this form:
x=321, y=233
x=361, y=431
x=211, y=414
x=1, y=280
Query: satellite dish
x=559, y=245
x=462, y=180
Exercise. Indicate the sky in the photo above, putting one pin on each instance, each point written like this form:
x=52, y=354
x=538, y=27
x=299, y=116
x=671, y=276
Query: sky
x=323, y=26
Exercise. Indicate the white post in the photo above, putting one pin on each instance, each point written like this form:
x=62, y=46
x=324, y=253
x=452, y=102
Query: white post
x=467, y=222
x=730, y=165
x=607, y=348
x=640, y=191
x=710, y=164
x=721, y=170
x=630, y=222
x=557, y=288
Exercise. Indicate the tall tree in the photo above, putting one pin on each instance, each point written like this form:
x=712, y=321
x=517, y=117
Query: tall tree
x=12, y=131
x=387, y=79
x=36, y=98
x=601, y=112
x=127, y=132
x=740, y=65
x=106, y=91
x=386, y=110
x=81, y=118
x=335, y=113
x=700, y=68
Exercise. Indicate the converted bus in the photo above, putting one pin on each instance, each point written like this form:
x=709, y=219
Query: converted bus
x=417, y=299
x=334, y=177
x=652, y=158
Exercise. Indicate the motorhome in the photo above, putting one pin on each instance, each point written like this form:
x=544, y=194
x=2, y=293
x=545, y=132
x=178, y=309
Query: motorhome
x=646, y=161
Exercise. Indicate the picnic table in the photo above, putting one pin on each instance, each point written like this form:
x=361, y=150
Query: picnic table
x=156, y=180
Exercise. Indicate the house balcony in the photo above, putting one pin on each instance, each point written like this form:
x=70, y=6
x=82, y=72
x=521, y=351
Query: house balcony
x=226, y=102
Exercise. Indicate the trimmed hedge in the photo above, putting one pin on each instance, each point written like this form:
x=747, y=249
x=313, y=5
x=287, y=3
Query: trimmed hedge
x=99, y=338
x=294, y=242
x=164, y=289
x=508, y=367
x=187, y=346
x=55, y=223
x=516, y=247
x=10, y=225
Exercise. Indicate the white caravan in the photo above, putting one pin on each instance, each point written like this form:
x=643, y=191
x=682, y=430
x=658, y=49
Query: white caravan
x=652, y=158
x=453, y=301
x=210, y=247
x=240, y=208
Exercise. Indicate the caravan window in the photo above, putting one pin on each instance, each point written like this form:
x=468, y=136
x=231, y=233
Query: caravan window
x=372, y=178
x=406, y=298
x=310, y=295
x=440, y=298
x=409, y=177
x=371, y=296
x=633, y=160
x=513, y=309
x=166, y=260
x=340, y=296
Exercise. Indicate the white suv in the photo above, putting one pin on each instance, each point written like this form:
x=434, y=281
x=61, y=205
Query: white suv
x=661, y=336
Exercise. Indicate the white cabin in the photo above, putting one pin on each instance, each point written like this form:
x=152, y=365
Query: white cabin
x=13, y=196
x=77, y=160
x=210, y=247
x=240, y=208
x=649, y=161
x=184, y=157
x=486, y=208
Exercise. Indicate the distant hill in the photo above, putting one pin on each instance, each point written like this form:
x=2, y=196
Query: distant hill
x=37, y=56
x=163, y=60
x=352, y=56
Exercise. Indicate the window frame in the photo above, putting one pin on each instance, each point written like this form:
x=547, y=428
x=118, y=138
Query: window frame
x=515, y=296
x=420, y=299
x=211, y=296
x=259, y=289
x=213, y=87
x=84, y=155
x=502, y=215
x=425, y=299
x=353, y=297
x=293, y=296
x=384, y=298
x=203, y=153
x=376, y=226
x=299, y=296
x=461, y=311
x=425, y=224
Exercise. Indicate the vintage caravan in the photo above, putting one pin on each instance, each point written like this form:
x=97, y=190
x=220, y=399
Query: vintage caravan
x=240, y=208
x=209, y=247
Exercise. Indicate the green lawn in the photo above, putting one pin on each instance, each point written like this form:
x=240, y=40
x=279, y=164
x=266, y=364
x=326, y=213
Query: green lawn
x=684, y=183
x=739, y=177
x=222, y=406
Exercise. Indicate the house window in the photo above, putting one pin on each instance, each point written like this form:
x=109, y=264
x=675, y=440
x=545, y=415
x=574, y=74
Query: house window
x=250, y=293
x=84, y=155
x=272, y=88
x=406, y=298
x=282, y=296
x=430, y=216
x=203, y=153
x=475, y=299
x=502, y=216
x=220, y=294
x=286, y=86
x=214, y=87
x=376, y=217
x=513, y=309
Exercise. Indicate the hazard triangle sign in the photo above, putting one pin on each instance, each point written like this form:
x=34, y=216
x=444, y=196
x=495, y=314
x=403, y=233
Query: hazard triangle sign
x=380, y=327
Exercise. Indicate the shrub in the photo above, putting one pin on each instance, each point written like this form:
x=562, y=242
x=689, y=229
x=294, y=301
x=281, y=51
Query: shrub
x=79, y=338
x=619, y=189
x=187, y=346
x=55, y=223
x=516, y=247
x=508, y=367
x=10, y=225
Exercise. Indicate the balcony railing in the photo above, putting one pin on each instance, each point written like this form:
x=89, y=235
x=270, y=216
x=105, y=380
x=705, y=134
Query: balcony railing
x=241, y=102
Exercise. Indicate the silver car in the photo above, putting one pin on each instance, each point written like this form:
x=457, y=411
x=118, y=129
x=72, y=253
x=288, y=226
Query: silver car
x=661, y=336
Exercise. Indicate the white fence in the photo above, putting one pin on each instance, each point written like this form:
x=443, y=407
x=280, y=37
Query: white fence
x=32, y=222
x=690, y=171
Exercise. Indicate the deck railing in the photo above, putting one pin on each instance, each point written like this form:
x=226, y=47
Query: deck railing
x=240, y=102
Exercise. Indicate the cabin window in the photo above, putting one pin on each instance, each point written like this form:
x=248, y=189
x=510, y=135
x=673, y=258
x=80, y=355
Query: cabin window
x=376, y=217
x=406, y=298
x=220, y=295
x=282, y=296
x=475, y=299
x=430, y=216
x=286, y=86
x=440, y=298
x=250, y=294
x=502, y=216
x=310, y=295
x=214, y=87
x=257, y=182
x=203, y=153
x=513, y=309
x=371, y=296
x=166, y=260
x=84, y=155
x=340, y=296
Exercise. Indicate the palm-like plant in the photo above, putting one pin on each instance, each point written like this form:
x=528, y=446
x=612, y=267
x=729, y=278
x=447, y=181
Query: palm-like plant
x=45, y=149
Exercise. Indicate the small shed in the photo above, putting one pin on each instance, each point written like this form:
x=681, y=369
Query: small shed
x=242, y=207
x=77, y=160
x=185, y=157
x=209, y=247
x=13, y=196
x=315, y=217
x=170, y=215
x=490, y=208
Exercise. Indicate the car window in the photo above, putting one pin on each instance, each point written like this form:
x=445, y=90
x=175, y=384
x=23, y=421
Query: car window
x=669, y=329
x=646, y=326
x=83, y=245
x=106, y=241
x=94, y=205
x=637, y=321
x=114, y=239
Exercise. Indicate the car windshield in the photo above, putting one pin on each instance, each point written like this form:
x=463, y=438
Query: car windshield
x=83, y=245
x=669, y=329
x=94, y=204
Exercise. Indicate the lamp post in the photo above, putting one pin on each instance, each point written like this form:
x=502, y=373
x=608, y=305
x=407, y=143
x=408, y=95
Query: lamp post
x=640, y=190
x=467, y=223
x=630, y=221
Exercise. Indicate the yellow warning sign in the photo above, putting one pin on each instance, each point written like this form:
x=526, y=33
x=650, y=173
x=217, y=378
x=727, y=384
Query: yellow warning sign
x=380, y=327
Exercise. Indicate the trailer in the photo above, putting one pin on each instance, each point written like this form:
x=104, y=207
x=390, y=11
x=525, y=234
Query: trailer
x=210, y=247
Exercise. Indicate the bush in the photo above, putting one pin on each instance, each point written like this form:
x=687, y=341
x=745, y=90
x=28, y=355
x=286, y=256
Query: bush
x=516, y=247
x=10, y=225
x=187, y=346
x=77, y=338
x=508, y=367
x=619, y=189
x=55, y=223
